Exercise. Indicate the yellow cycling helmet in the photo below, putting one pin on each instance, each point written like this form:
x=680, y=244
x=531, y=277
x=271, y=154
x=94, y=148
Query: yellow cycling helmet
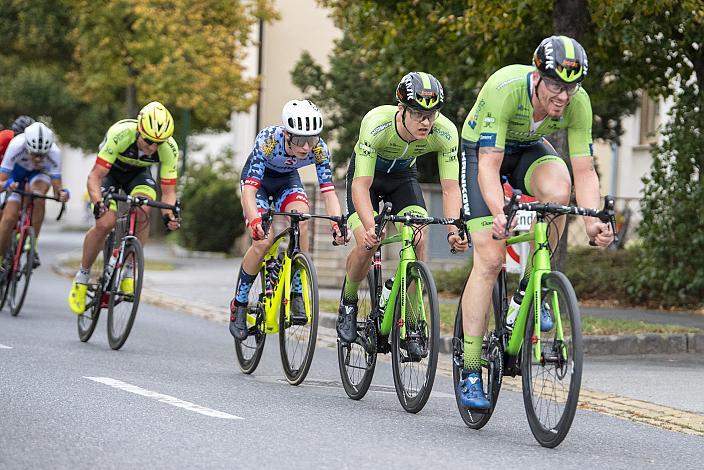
x=155, y=123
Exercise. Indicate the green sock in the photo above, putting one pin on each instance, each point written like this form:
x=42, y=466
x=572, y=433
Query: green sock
x=473, y=353
x=349, y=293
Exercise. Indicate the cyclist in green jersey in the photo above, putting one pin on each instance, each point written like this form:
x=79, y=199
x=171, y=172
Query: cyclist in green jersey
x=504, y=136
x=126, y=154
x=382, y=168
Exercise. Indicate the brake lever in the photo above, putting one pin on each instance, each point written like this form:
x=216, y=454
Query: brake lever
x=511, y=209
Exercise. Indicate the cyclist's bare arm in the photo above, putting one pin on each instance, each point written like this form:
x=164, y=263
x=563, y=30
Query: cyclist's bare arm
x=95, y=178
x=451, y=204
x=59, y=192
x=249, y=206
x=586, y=189
x=332, y=203
x=363, y=206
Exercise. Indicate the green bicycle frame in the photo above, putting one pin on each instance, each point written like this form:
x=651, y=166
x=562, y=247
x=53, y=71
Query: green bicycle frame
x=408, y=255
x=540, y=267
x=282, y=292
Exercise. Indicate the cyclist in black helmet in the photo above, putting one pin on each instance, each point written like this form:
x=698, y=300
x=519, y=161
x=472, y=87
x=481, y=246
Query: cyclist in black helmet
x=382, y=167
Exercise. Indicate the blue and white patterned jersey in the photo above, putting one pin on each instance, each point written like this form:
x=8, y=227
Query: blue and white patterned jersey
x=17, y=155
x=269, y=154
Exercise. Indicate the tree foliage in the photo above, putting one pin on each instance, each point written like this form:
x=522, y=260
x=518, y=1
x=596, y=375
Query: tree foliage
x=83, y=64
x=462, y=43
x=671, y=268
x=211, y=206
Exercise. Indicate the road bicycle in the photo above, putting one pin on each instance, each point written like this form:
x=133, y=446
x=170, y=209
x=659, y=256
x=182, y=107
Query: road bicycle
x=550, y=363
x=405, y=321
x=120, y=284
x=271, y=297
x=19, y=259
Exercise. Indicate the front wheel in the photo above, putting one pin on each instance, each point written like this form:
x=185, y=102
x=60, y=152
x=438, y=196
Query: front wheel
x=415, y=337
x=492, y=363
x=125, y=293
x=22, y=272
x=5, y=274
x=357, y=361
x=94, y=302
x=249, y=351
x=298, y=332
x=552, y=377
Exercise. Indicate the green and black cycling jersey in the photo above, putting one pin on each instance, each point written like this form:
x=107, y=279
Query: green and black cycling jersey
x=119, y=149
x=502, y=116
x=381, y=149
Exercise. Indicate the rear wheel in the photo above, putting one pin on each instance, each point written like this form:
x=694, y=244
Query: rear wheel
x=492, y=364
x=94, y=298
x=551, y=382
x=415, y=357
x=357, y=361
x=296, y=337
x=123, y=304
x=249, y=351
x=22, y=273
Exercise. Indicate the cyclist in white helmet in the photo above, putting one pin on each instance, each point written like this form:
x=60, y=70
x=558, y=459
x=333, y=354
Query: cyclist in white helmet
x=32, y=159
x=272, y=171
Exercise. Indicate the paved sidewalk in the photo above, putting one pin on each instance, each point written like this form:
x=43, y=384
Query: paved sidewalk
x=203, y=285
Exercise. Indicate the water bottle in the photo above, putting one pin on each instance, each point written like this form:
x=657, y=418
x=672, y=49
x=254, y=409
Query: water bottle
x=515, y=303
x=112, y=262
x=385, y=292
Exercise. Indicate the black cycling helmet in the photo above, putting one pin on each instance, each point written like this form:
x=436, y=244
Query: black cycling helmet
x=420, y=90
x=21, y=123
x=561, y=58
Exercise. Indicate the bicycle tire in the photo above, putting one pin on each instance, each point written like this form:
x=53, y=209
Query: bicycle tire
x=5, y=276
x=355, y=361
x=547, y=429
x=419, y=369
x=249, y=352
x=20, y=277
x=119, y=323
x=296, y=370
x=86, y=323
x=492, y=353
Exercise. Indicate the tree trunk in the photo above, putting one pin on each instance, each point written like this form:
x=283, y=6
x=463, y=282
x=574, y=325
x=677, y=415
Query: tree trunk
x=569, y=18
x=131, y=101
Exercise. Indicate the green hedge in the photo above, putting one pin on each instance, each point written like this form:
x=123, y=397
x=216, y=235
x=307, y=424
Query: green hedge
x=212, y=213
x=606, y=275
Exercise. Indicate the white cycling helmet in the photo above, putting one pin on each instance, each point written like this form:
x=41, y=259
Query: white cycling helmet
x=38, y=138
x=301, y=117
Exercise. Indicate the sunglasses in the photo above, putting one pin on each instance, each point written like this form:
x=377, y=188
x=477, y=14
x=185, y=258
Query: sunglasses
x=420, y=116
x=556, y=88
x=149, y=141
x=302, y=140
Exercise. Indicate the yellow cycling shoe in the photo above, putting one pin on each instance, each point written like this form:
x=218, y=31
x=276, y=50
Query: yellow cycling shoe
x=77, y=298
x=127, y=286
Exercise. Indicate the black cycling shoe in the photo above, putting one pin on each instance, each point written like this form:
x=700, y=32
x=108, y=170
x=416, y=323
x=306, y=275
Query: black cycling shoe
x=37, y=263
x=298, y=310
x=238, y=321
x=347, y=322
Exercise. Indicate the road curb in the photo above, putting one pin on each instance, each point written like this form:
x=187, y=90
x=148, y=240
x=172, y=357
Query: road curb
x=650, y=343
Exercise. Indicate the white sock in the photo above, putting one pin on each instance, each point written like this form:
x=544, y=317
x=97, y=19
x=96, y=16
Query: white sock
x=83, y=275
x=128, y=270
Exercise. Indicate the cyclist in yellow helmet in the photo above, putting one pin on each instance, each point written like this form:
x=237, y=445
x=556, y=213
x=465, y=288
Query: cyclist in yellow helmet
x=128, y=150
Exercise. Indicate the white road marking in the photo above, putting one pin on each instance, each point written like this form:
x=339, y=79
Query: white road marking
x=2, y=346
x=162, y=398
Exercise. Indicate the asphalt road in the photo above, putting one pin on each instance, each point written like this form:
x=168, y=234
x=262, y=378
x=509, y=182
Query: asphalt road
x=174, y=397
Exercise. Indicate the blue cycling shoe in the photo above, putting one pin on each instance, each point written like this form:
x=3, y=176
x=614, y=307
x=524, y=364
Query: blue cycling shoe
x=546, y=321
x=472, y=392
